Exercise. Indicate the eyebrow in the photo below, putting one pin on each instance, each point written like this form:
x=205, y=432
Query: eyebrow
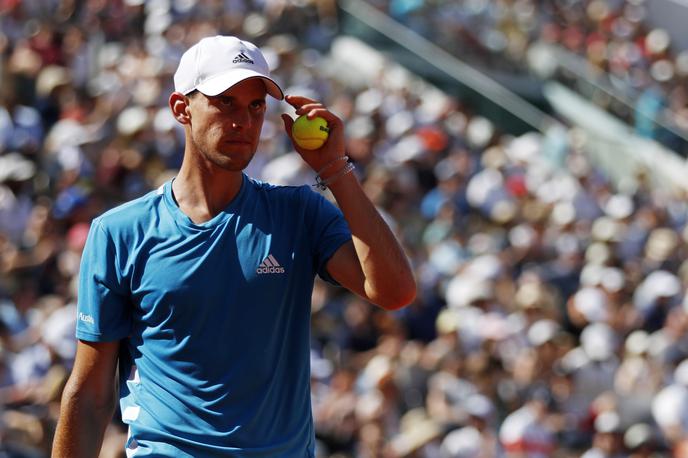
x=233, y=98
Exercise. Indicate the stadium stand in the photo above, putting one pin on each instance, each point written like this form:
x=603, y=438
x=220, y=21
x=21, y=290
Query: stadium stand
x=551, y=318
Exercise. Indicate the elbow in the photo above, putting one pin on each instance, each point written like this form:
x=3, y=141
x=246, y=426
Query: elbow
x=79, y=395
x=403, y=294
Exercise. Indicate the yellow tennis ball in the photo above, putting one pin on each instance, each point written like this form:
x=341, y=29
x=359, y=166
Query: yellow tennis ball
x=310, y=133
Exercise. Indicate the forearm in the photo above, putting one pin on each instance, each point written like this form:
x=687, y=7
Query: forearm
x=81, y=426
x=388, y=278
x=375, y=267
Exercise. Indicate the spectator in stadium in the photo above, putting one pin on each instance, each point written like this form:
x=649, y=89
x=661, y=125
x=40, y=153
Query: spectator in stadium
x=84, y=125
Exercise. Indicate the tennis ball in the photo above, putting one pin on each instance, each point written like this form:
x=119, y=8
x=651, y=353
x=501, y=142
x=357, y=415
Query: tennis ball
x=310, y=133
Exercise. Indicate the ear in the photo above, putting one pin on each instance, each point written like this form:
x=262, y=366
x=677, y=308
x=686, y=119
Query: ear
x=179, y=104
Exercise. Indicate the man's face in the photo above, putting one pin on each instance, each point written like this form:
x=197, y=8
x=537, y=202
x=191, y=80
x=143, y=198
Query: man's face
x=225, y=129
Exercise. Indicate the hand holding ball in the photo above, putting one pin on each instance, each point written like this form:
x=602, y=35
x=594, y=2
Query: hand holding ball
x=310, y=134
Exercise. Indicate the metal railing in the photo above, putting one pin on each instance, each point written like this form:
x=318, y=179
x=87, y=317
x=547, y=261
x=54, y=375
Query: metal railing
x=440, y=59
x=607, y=147
x=589, y=82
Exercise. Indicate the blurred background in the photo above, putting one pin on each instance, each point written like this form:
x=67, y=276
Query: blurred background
x=529, y=154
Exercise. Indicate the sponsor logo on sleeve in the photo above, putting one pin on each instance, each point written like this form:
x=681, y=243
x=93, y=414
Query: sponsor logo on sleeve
x=86, y=318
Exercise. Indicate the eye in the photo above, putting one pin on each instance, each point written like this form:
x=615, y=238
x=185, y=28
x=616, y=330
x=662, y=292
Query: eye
x=225, y=101
x=258, y=104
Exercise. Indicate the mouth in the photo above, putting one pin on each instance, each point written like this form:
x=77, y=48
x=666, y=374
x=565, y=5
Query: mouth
x=237, y=142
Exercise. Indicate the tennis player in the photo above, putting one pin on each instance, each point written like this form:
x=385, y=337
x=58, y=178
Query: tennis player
x=196, y=297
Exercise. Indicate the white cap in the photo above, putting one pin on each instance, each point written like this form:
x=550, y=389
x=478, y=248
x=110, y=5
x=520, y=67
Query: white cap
x=598, y=340
x=681, y=373
x=542, y=331
x=462, y=443
x=608, y=422
x=479, y=405
x=217, y=63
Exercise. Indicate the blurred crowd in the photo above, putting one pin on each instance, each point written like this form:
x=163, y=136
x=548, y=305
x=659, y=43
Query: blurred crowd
x=616, y=45
x=551, y=319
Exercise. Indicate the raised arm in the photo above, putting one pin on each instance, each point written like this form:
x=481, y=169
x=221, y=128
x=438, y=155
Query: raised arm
x=374, y=265
x=88, y=401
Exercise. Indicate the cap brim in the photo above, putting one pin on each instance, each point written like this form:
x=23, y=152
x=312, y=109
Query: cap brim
x=220, y=83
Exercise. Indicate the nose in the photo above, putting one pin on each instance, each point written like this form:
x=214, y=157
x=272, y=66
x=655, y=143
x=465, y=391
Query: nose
x=241, y=119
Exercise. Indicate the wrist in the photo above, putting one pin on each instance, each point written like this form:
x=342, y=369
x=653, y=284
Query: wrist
x=332, y=172
x=333, y=166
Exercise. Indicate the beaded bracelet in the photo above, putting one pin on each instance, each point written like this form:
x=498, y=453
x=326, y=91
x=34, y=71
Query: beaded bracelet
x=323, y=184
x=331, y=163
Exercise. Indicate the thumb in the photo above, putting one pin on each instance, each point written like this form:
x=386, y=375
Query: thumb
x=288, y=122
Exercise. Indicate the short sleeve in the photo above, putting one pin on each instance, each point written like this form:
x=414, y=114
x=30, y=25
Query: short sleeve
x=104, y=305
x=328, y=228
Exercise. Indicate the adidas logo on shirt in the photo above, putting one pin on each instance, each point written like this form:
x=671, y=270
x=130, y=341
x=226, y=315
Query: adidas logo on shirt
x=270, y=266
x=241, y=57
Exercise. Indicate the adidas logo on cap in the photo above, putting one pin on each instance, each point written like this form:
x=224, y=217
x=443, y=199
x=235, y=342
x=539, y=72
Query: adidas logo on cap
x=241, y=57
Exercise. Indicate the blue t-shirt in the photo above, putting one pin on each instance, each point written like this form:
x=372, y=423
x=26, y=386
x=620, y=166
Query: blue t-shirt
x=214, y=317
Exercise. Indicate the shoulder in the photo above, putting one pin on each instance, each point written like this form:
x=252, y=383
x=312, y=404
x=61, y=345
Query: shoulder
x=281, y=192
x=130, y=214
x=300, y=203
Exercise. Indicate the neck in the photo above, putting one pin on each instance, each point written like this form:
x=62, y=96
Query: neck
x=203, y=190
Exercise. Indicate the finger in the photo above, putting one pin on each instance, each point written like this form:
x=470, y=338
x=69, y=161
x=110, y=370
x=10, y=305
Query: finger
x=298, y=100
x=322, y=112
x=308, y=108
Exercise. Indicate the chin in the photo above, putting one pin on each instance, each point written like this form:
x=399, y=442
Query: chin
x=231, y=165
x=234, y=161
